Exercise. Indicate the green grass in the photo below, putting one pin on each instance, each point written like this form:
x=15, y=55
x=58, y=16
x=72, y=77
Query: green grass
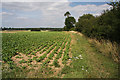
x=97, y=65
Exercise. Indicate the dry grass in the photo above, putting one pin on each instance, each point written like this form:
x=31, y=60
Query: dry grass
x=13, y=31
x=76, y=32
x=108, y=48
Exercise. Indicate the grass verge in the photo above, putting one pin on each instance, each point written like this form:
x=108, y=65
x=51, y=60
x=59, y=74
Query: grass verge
x=92, y=64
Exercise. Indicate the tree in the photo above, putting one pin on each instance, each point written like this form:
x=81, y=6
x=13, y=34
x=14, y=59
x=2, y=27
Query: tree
x=67, y=14
x=69, y=21
x=105, y=26
x=114, y=4
x=86, y=16
x=84, y=23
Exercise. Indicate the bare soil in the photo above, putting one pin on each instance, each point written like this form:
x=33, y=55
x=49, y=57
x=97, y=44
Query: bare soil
x=76, y=32
x=25, y=57
x=49, y=54
x=36, y=65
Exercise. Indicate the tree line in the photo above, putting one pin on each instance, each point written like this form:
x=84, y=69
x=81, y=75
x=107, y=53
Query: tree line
x=32, y=29
x=105, y=26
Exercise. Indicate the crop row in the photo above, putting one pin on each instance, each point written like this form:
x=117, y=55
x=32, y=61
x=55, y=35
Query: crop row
x=27, y=42
x=55, y=62
x=45, y=54
x=53, y=52
x=66, y=52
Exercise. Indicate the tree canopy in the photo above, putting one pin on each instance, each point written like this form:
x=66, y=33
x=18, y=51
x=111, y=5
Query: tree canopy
x=69, y=21
x=67, y=14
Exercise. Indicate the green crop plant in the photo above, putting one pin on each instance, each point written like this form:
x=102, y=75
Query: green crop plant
x=23, y=67
x=47, y=61
x=33, y=53
x=29, y=60
x=34, y=58
x=55, y=63
x=22, y=61
x=18, y=57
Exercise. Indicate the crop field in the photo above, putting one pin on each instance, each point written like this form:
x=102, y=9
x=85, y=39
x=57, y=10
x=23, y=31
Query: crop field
x=31, y=50
x=53, y=54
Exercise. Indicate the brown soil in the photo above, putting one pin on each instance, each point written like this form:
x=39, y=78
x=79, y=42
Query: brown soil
x=25, y=57
x=16, y=60
x=76, y=32
x=62, y=75
x=57, y=70
x=49, y=54
x=38, y=53
x=60, y=60
x=51, y=61
x=70, y=54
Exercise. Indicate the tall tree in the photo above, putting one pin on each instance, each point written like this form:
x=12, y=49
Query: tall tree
x=67, y=14
x=69, y=21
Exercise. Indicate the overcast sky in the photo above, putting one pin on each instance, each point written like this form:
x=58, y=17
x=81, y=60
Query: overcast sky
x=46, y=14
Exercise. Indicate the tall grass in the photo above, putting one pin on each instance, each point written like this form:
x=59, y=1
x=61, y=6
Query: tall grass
x=107, y=48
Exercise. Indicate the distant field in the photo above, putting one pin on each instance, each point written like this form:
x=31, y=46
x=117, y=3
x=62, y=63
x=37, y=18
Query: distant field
x=53, y=54
x=13, y=31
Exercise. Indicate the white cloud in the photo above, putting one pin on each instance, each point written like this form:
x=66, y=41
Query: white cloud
x=34, y=0
x=23, y=18
x=19, y=6
x=57, y=0
x=51, y=13
x=6, y=13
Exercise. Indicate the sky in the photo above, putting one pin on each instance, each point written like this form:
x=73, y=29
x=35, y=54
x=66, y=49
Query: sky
x=46, y=14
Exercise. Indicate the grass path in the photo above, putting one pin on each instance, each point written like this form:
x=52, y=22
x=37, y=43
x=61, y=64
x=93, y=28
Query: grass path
x=87, y=62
